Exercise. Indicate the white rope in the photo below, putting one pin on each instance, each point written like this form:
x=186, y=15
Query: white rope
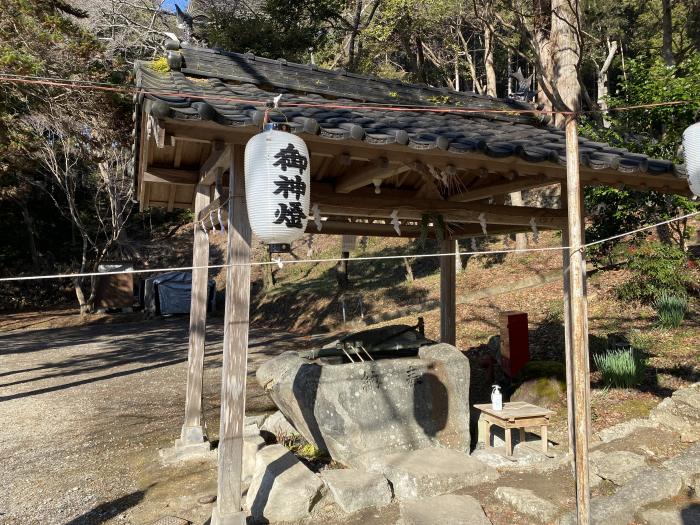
x=336, y=259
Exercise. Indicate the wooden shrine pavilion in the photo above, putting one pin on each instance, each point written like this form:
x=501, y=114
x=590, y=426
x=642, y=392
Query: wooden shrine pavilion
x=374, y=150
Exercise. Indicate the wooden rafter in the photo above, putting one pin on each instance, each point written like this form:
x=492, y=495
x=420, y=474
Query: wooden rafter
x=170, y=176
x=218, y=160
x=376, y=170
x=517, y=184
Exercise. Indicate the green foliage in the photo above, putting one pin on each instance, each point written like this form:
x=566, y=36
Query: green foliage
x=657, y=131
x=280, y=29
x=671, y=309
x=641, y=340
x=621, y=368
x=656, y=268
x=161, y=65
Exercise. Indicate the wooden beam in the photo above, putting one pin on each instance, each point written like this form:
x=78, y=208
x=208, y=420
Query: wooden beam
x=193, y=432
x=579, y=325
x=377, y=169
x=366, y=204
x=429, y=189
x=518, y=184
x=170, y=176
x=338, y=227
x=234, y=368
x=171, y=197
x=218, y=158
x=448, y=294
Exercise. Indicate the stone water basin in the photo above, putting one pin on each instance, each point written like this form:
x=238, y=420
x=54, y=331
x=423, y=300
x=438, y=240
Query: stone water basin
x=374, y=393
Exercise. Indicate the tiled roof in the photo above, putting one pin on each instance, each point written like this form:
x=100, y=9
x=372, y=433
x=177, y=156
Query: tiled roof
x=201, y=83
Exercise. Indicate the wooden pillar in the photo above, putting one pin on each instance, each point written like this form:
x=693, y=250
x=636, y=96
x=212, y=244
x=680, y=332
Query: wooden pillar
x=234, y=369
x=579, y=324
x=193, y=428
x=448, y=293
x=566, y=274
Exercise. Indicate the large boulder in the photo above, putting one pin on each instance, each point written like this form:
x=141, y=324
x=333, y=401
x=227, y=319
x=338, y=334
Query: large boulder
x=353, y=490
x=541, y=383
x=282, y=488
x=357, y=411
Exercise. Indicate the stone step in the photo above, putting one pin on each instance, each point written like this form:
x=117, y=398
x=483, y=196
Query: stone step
x=652, y=485
x=353, y=489
x=450, y=509
x=430, y=472
x=527, y=503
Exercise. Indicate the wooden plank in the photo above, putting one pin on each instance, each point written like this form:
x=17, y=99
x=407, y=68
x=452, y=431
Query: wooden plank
x=218, y=158
x=177, y=158
x=376, y=169
x=170, y=176
x=566, y=273
x=171, y=197
x=234, y=367
x=192, y=429
x=518, y=184
x=448, y=294
x=381, y=206
x=579, y=324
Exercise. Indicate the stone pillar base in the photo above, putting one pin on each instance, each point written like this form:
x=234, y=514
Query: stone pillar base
x=234, y=518
x=192, y=443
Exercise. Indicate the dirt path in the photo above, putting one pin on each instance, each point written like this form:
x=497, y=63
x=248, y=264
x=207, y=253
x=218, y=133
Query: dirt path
x=83, y=411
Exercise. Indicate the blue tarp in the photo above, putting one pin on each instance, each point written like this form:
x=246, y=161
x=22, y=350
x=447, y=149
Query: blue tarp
x=170, y=293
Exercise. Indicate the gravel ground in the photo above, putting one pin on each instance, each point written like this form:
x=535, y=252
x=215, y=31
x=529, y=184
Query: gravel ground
x=83, y=411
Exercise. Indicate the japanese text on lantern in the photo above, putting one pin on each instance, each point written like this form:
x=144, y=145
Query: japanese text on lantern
x=290, y=187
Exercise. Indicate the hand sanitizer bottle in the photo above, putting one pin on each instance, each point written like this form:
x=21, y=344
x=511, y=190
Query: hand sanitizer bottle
x=496, y=398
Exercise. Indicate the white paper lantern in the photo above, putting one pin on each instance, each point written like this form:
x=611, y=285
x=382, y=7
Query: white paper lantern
x=277, y=167
x=691, y=148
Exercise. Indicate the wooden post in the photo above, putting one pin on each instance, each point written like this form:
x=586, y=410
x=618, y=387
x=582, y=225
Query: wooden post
x=448, y=293
x=193, y=432
x=234, y=369
x=566, y=274
x=579, y=324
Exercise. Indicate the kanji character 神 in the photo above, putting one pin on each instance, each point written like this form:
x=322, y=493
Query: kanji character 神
x=287, y=185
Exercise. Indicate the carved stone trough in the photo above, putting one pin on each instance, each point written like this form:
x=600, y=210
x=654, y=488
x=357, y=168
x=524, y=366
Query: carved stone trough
x=374, y=393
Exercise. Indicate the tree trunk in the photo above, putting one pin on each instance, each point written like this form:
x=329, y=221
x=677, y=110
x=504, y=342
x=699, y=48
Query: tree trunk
x=341, y=271
x=31, y=234
x=409, y=270
x=667, y=27
x=602, y=81
x=566, y=56
x=516, y=199
x=268, y=275
x=489, y=44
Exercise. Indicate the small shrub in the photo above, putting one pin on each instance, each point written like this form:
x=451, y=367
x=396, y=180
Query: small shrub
x=656, y=267
x=671, y=309
x=620, y=368
x=641, y=340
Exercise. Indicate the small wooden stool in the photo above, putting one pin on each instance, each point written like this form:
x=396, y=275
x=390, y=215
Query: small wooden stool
x=514, y=415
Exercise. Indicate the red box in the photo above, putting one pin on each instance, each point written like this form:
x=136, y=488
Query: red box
x=515, y=342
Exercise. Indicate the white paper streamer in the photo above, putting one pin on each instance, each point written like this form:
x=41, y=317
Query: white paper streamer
x=482, y=221
x=317, y=217
x=221, y=222
x=279, y=262
x=535, y=231
x=211, y=221
x=396, y=223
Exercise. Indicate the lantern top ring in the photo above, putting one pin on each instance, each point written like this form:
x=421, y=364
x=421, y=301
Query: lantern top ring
x=280, y=126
